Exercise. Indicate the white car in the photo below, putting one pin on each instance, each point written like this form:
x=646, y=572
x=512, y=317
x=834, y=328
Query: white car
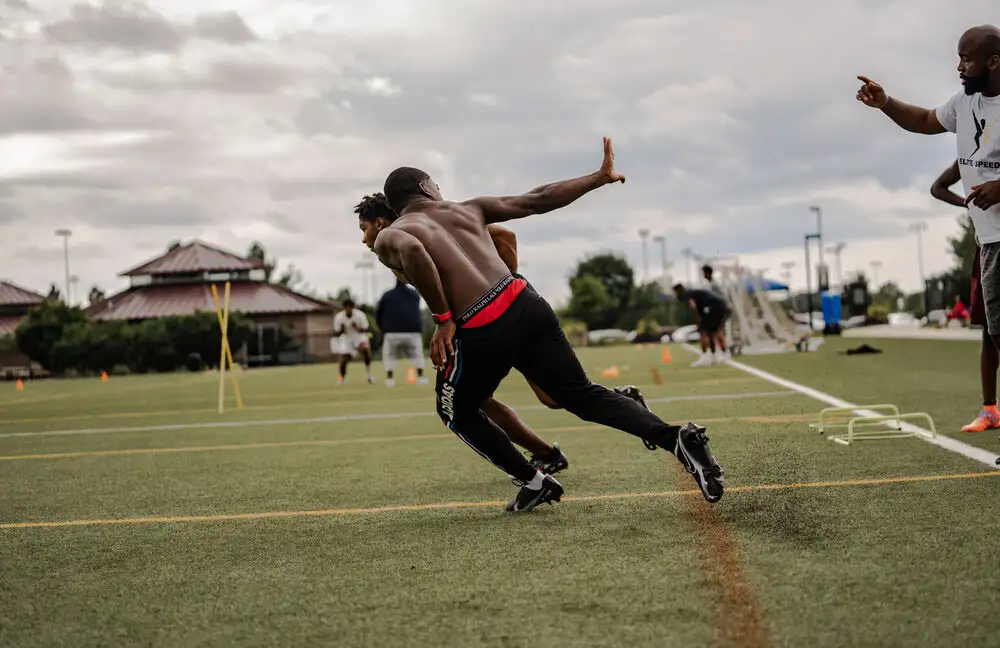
x=603, y=336
x=684, y=334
x=903, y=319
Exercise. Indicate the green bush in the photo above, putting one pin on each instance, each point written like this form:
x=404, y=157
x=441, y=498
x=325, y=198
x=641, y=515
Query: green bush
x=878, y=314
x=575, y=330
x=38, y=333
x=61, y=341
x=648, y=327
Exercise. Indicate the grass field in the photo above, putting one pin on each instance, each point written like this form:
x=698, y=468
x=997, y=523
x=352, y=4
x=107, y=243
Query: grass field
x=133, y=514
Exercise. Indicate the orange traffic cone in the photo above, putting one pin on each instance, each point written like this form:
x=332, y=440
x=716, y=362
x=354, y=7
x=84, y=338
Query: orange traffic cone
x=411, y=376
x=657, y=378
x=104, y=376
x=610, y=372
x=20, y=385
x=665, y=355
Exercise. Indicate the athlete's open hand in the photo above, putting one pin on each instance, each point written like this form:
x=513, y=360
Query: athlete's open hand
x=871, y=94
x=441, y=344
x=984, y=195
x=608, y=167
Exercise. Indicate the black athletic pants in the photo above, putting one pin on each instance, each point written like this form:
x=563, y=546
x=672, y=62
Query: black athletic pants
x=528, y=337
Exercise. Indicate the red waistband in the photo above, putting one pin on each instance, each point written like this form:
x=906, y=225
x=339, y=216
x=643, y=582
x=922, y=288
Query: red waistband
x=497, y=306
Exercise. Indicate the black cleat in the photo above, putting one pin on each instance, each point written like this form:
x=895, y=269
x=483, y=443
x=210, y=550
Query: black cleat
x=691, y=449
x=631, y=391
x=527, y=499
x=550, y=464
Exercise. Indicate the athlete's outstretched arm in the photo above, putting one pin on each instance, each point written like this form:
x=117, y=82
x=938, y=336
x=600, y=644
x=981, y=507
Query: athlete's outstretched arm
x=912, y=118
x=399, y=250
x=941, y=189
x=550, y=197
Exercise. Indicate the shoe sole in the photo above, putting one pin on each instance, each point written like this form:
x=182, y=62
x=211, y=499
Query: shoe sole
x=546, y=494
x=710, y=479
x=552, y=469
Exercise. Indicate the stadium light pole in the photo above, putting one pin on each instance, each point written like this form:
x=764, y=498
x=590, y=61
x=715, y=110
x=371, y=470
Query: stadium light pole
x=662, y=240
x=65, y=234
x=363, y=265
x=787, y=266
x=644, y=234
x=819, y=230
x=835, y=250
x=75, y=282
x=688, y=255
x=875, y=267
x=919, y=229
x=810, y=237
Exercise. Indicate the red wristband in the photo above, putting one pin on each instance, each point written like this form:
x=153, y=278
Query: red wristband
x=442, y=318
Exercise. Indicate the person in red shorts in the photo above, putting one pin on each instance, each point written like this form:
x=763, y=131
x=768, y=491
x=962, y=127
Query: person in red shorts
x=958, y=311
x=989, y=360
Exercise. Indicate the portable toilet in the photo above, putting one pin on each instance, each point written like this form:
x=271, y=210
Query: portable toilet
x=831, y=313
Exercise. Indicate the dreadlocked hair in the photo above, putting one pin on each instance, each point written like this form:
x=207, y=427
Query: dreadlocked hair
x=373, y=207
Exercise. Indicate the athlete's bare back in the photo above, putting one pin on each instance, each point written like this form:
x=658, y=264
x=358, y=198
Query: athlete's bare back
x=456, y=237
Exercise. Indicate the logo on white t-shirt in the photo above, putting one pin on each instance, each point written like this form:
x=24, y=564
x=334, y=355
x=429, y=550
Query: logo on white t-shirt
x=971, y=118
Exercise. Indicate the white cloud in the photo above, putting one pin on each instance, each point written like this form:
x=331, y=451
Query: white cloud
x=247, y=119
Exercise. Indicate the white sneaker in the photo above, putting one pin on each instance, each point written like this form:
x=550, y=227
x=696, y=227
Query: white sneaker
x=704, y=361
x=389, y=382
x=340, y=381
x=371, y=380
x=422, y=380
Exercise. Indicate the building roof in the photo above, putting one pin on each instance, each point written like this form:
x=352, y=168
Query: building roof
x=247, y=297
x=194, y=257
x=11, y=295
x=8, y=324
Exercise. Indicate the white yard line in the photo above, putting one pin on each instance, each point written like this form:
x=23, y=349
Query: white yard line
x=946, y=442
x=355, y=417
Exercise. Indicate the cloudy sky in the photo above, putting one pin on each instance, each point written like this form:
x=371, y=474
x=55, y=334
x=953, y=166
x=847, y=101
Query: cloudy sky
x=138, y=123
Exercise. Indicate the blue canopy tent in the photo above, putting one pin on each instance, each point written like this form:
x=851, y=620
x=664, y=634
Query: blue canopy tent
x=767, y=284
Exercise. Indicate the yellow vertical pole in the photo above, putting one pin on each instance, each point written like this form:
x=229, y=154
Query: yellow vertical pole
x=222, y=351
x=229, y=350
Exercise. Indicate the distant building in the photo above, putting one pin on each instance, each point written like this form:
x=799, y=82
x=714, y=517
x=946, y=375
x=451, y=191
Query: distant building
x=290, y=327
x=15, y=302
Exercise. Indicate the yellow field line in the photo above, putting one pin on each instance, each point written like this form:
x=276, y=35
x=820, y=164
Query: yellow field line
x=485, y=504
x=329, y=442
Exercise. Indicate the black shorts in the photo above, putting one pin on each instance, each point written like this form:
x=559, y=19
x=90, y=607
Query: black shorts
x=528, y=337
x=714, y=320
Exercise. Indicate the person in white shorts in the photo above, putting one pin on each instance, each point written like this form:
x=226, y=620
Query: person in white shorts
x=398, y=317
x=350, y=330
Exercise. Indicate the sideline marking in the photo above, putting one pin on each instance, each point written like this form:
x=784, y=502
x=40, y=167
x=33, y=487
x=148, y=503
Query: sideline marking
x=946, y=442
x=359, y=417
x=487, y=504
x=257, y=397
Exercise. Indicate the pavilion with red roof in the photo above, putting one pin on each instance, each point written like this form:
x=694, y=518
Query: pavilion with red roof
x=180, y=283
x=15, y=302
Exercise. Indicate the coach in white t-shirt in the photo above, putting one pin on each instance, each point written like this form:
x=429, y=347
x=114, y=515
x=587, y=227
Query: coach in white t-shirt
x=350, y=328
x=974, y=116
